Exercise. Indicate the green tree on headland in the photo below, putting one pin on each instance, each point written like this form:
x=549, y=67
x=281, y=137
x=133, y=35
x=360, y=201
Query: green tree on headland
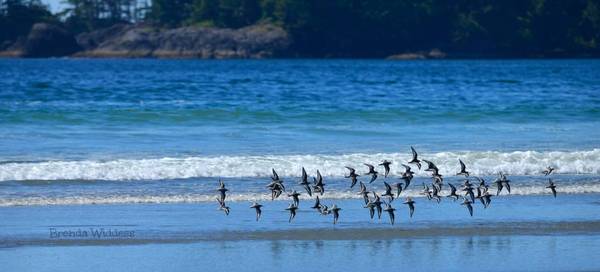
x=351, y=28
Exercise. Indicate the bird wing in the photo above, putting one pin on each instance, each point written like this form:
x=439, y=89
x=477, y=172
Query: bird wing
x=275, y=176
x=463, y=167
x=414, y=153
x=304, y=175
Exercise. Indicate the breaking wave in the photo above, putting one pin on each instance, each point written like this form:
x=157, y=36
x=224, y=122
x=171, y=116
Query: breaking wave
x=478, y=163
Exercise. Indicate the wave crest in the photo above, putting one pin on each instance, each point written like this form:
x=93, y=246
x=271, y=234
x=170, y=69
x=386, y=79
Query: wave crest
x=478, y=163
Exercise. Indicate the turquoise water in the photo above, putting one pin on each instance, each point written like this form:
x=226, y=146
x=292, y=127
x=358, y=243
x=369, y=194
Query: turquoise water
x=77, y=109
x=138, y=145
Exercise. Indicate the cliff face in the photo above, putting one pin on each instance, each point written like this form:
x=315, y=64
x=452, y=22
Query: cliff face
x=257, y=41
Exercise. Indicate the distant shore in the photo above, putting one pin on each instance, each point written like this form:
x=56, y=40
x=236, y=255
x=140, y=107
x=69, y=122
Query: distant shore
x=260, y=41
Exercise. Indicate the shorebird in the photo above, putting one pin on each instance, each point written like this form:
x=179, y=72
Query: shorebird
x=487, y=197
x=295, y=197
x=388, y=191
x=390, y=210
x=398, y=188
x=371, y=206
x=276, y=189
x=257, y=207
x=552, y=187
x=276, y=186
x=371, y=172
x=407, y=176
x=499, y=186
x=336, y=213
x=426, y=192
x=452, y=192
x=434, y=194
x=506, y=182
x=411, y=205
x=386, y=166
x=481, y=183
x=222, y=191
x=548, y=170
x=431, y=166
x=325, y=210
x=292, y=210
x=415, y=160
x=463, y=169
x=468, y=189
x=352, y=176
x=222, y=206
x=480, y=197
x=467, y=203
x=364, y=193
x=319, y=186
x=304, y=182
x=317, y=205
x=377, y=202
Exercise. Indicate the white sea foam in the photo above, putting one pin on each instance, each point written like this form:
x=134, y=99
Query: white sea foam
x=478, y=163
x=537, y=189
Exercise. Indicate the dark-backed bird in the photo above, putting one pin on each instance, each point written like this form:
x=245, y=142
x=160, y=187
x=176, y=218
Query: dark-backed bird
x=426, y=192
x=295, y=197
x=415, y=159
x=467, y=203
x=386, y=166
x=463, y=169
x=452, y=192
x=411, y=205
x=390, y=210
x=371, y=206
x=304, y=182
x=317, y=205
x=222, y=191
x=407, y=176
x=371, y=172
x=319, y=186
x=399, y=188
x=548, y=170
x=352, y=176
x=377, y=202
x=431, y=166
x=469, y=192
x=435, y=194
x=480, y=197
x=222, y=206
x=257, y=207
x=292, y=208
x=364, y=193
x=552, y=187
x=388, y=191
x=499, y=184
x=505, y=182
x=325, y=210
x=482, y=183
x=487, y=197
x=335, y=210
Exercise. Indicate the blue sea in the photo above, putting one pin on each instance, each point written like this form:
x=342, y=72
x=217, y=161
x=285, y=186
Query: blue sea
x=139, y=146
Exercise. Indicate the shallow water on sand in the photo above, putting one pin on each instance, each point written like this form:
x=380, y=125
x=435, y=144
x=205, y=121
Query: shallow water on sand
x=515, y=233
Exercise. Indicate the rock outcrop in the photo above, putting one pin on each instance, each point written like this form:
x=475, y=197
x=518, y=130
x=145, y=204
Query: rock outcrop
x=256, y=41
x=433, y=54
x=44, y=40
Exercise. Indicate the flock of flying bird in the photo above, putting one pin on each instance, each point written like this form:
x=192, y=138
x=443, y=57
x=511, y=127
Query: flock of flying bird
x=469, y=192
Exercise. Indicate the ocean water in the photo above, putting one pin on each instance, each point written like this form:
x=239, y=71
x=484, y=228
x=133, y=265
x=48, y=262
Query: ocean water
x=140, y=145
